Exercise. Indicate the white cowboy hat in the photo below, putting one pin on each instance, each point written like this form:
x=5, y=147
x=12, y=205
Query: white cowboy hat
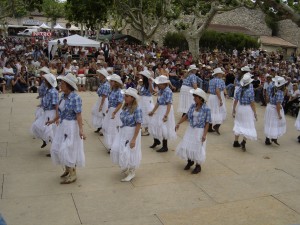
x=103, y=72
x=280, y=81
x=268, y=75
x=98, y=62
x=218, y=71
x=246, y=69
x=275, y=78
x=130, y=91
x=70, y=79
x=199, y=92
x=44, y=69
x=116, y=78
x=51, y=79
x=161, y=80
x=145, y=73
x=192, y=67
x=74, y=61
x=246, y=79
x=110, y=69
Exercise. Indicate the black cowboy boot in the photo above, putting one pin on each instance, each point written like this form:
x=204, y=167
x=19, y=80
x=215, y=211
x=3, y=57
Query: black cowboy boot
x=44, y=144
x=197, y=169
x=97, y=131
x=210, y=128
x=267, y=141
x=189, y=164
x=216, y=128
x=156, y=142
x=243, y=145
x=164, y=147
x=236, y=144
x=275, y=141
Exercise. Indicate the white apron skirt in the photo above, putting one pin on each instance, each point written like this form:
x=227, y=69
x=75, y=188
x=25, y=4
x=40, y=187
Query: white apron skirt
x=244, y=122
x=297, y=123
x=274, y=127
x=218, y=114
x=110, y=126
x=121, y=153
x=67, y=146
x=146, y=104
x=186, y=99
x=191, y=147
x=38, y=112
x=39, y=128
x=160, y=129
x=97, y=117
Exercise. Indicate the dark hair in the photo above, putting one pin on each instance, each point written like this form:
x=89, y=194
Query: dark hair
x=69, y=86
x=202, y=99
x=145, y=82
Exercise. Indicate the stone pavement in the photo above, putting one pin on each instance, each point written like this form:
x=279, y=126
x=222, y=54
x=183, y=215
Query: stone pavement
x=260, y=186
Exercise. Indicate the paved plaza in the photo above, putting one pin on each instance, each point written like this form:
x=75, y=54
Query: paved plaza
x=258, y=187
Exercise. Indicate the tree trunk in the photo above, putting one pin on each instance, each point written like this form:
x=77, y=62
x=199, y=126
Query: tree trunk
x=81, y=29
x=194, y=46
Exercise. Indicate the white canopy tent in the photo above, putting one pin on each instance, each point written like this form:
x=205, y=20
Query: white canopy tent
x=44, y=26
x=58, y=27
x=74, y=40
x=73, y=28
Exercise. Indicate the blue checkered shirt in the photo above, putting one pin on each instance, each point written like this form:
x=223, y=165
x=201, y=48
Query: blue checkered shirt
x=270, y=89
x=278, y=97
x=248, y=96
x=214, y=84
x=130, y=120
x=199, y=119
x=144, y=91
x=190, y=80
x=50, y=99
x=103, y=89
x=42, y=89
x=72, y=106
x=165, y=96
x=115, y=98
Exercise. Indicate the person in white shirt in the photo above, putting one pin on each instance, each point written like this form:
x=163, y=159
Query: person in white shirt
x=294, y=98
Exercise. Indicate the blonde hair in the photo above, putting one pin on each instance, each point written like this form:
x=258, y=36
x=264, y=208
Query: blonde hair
x=132, y=107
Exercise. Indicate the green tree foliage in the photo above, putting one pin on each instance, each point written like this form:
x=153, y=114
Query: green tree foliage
x=53, y=9
x=18, y=8
x=211, y=40
x=89, y=12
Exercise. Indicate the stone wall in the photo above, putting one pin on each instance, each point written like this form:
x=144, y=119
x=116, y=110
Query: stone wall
x=290, y=32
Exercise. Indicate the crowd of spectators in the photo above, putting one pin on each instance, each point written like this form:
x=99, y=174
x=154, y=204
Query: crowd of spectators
x=21, y=58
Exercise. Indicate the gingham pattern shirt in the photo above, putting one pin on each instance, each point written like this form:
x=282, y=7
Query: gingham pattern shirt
x=190, y=80
x=165, y=96
x=103, y=89
x=72, y=106
x=50, y=99
x=200, y=118
x=214, y=84
x=115, y=98
x=130, y=120
x=144, y=91
x=277, y=98
x=247, y=98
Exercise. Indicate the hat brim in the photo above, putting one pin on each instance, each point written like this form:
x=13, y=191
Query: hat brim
x=218, y=73
x=51, y=82
x=134, y=95
x=68, y=81
x=193, y=69
x=194, y=92
x=280, y=84
x=116, y=80
x=159, y=82
x=246, y=83
x=102, y=73
x=145, y=75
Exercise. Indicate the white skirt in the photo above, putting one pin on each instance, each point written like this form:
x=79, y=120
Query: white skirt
x=297, y=123
x=38, y=112
x=218, y=114
x=67, y=146
x=244, y=122
x=160, y=129
x=186, y=99
x=110, y=126
x=121, y=153
x=97, y=117
x=191, y=147
x=39, y=128
x=274, y=127
x=146, y=104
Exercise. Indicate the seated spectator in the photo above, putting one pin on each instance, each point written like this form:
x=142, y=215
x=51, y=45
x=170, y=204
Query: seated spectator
x=294, y=98
x=174, y=79
x=8, y=73
x=91, y=77
x=19, y=84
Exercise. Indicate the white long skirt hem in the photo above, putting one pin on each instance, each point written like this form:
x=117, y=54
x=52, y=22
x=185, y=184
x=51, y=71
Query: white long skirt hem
x=274, y=127
x=121, y=153
x=185, y=99
x=297, y=123
x=162, y=130
x=98, y=117
x=146, y=104
x=218, y=113
x=67, y=146
x=244, y=122
x=191, y=147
